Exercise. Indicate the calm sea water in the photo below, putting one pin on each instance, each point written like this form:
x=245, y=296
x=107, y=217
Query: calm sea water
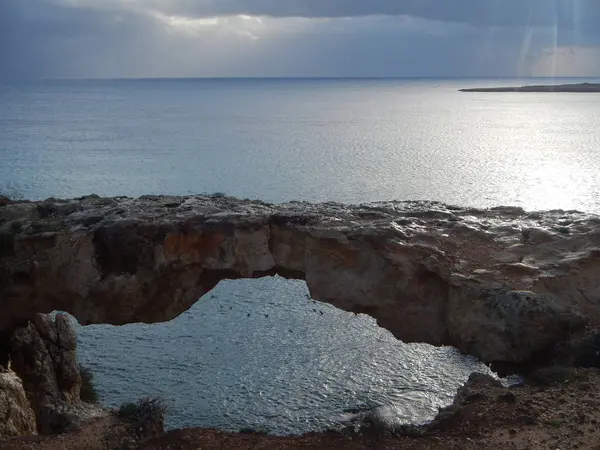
x=287, y=368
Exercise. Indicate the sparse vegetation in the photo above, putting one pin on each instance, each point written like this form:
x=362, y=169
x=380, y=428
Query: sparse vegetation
x=88, y=392
x=146, y=415
x=250, y=430
x=554, y=423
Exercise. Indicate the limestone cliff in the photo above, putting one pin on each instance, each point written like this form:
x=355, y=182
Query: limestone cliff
x=502, y=284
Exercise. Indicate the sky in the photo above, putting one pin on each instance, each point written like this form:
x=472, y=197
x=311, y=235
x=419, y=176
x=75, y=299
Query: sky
x=298, y=38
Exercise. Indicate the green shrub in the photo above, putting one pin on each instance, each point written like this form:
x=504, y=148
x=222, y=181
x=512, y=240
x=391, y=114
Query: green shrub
x=249, y=430
x=146, y=415
x=88, y=392
x=554, y=423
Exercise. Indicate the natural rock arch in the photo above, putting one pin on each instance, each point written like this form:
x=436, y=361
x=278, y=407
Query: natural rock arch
x=501, y=284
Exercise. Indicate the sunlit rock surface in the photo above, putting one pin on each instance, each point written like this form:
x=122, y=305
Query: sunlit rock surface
x=16, y=416
x=501, y=284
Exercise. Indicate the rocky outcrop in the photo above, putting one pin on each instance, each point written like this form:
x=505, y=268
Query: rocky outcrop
x=571, y=88
x=5, y=201
x=43, y=355
x=16, y=416
x=501, y=326
x=501, y=284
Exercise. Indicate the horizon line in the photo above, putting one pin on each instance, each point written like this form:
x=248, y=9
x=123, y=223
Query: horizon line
x=191, y=78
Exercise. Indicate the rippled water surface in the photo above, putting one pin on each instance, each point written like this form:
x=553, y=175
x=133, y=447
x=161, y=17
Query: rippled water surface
x=343, y=140
x=259, y=353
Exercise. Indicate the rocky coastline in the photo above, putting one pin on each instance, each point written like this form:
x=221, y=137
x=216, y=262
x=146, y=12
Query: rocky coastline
x=572, y=88
x=516, y=289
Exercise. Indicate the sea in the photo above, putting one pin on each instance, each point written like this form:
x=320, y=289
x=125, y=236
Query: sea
x=259, y=354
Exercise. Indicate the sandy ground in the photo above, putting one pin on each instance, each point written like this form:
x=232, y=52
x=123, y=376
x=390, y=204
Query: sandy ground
x=562, y=414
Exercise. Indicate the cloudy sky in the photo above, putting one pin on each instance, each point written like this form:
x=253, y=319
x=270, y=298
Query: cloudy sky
x=214, y=38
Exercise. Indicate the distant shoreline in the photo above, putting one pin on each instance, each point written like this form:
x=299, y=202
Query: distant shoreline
x=579, y=88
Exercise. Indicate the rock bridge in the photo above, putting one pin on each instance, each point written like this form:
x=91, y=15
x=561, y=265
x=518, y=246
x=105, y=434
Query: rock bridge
x=501, y=284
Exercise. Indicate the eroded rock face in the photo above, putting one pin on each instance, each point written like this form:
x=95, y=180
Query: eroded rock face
x=500, y=283
x=16, y=416
x=43, y=354
x=501, y=326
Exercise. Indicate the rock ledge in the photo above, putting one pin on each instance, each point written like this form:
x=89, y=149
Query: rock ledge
x=502, y=284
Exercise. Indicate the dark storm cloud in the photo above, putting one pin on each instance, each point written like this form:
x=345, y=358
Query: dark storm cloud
x=45, y=37
x=106, y=38
x=562, y=13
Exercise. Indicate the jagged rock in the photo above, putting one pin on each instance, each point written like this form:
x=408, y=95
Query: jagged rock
x=580, y=351
x=66, y=417
x=43, y=354
x=517, y=325
x=16, y=416
x=477, y=388
x=426, y=271
x=384, y=418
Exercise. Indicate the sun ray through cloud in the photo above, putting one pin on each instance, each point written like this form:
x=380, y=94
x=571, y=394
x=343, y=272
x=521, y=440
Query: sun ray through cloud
x=555, y=35
x=492, y=38
x=523, y=68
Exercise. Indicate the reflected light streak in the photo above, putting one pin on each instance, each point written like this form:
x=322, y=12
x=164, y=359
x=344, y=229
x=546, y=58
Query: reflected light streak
x=554, y=185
